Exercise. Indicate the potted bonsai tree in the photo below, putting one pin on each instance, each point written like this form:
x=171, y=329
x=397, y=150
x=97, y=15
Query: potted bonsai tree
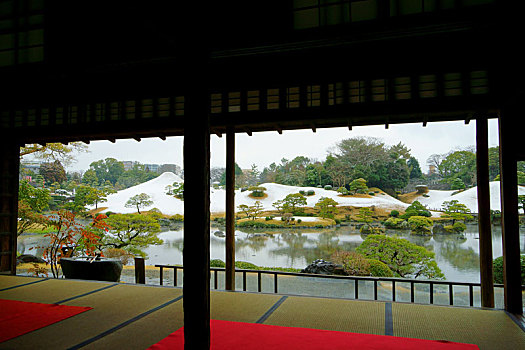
x=76, y=249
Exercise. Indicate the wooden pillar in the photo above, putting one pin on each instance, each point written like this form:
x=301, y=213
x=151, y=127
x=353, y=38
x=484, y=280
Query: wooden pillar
x=9, y=168
x=508, y=141
x=485, y=229
x=230, y=209
x=192, y=66
x=196, y=254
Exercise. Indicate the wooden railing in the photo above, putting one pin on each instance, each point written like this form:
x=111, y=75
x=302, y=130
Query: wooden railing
x=356, y=279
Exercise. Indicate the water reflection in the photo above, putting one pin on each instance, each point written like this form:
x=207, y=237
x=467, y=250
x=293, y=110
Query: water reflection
x=456, y=255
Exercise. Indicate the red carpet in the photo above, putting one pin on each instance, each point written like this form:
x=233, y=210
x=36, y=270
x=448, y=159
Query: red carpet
x=20, y=317
x=227, y=335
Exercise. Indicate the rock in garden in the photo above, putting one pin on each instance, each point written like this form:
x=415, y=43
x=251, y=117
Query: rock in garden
x=28, y=258
x=219, y=234
x=323, y=267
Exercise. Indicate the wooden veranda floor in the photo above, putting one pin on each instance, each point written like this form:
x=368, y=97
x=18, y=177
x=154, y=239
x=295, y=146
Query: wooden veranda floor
x=136, y=316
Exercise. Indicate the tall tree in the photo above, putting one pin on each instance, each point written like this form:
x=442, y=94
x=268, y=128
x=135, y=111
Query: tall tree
x=239, y=176
x=461, y=164
x=108, y=169
x=90, y=178
x=31, y=203
x=53, y=172
x=415, y=169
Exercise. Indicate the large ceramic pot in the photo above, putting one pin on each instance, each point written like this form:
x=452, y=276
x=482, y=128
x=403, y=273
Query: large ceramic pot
x=85, y=268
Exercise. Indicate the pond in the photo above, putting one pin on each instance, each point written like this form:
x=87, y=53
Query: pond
x=456, y=255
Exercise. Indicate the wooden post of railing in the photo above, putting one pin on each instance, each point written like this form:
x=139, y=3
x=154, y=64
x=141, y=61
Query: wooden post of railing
x=140, y=271
x=230, y=209
x=161, y=275
x=393, y=290
x=484, y=225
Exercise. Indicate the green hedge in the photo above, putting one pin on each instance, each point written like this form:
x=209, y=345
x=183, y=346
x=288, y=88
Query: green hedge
x=498, y=269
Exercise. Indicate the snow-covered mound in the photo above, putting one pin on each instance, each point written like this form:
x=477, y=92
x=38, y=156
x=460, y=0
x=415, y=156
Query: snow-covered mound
x=277, y=191
x=170, y=205
x=155, y=188
x=435, y=199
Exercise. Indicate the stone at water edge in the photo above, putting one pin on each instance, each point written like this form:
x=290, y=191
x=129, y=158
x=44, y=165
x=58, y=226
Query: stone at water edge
x=28, y=258
x=219, y=234
x=323, y=267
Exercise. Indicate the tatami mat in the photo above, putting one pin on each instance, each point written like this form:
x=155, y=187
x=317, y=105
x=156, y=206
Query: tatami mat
x=489, y=329
x=145, y=331
x=50, y=291
x=127, y=316
x=240, y=307
x=13, y=281
x=330, y=314
x=111, y=307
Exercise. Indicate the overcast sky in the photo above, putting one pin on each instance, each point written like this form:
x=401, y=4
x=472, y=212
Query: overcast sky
x=263, y=148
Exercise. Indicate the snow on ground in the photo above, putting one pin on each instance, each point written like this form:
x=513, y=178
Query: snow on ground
x=155, y=188
x=170, y=205
x=468, y=197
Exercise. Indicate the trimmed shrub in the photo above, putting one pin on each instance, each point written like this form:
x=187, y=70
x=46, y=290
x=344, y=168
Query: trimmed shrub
x=394, y=213
x=310, y=193
x=328, y=187
x=379, y=269
x=354, y=264
x=415, y=209
x=217, y=263
x=268, y=218
x=369, y=229
x=257, y=191
x=458, y=227
x=371, y=194
x=420, y=225
x=302, y=192
x=498, y=269
x=342, y=190
x=180, y=218
x=245, y=265
x=394, y=223
x=299, y=221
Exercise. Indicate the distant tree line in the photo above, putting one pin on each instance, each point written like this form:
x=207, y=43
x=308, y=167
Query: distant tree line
x=383, y=166
x=458, y=168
